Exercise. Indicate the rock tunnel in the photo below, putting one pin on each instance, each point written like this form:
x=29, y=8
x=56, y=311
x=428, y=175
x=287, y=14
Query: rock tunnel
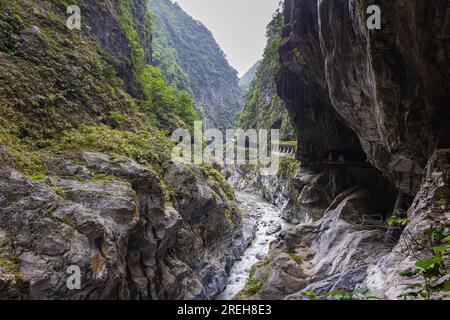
x=350, y=157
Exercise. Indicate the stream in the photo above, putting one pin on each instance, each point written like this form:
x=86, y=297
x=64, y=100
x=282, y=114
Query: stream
x=269, y=223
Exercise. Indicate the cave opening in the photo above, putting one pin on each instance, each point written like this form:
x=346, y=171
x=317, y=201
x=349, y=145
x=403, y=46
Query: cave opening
x=349, y=157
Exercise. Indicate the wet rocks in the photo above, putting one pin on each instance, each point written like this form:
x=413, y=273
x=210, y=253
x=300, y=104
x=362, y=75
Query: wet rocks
x=383, y=276
x=273, y=228
x=257, y=252
x=348, y=88
x=260, y=256
x=314, y=254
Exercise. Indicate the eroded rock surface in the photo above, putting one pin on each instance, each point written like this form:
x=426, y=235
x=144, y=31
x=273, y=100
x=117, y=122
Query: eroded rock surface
x=380, y=98
x=389, y=86
x=114, y=219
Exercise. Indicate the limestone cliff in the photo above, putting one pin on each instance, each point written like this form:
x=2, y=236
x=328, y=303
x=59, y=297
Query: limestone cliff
x=85, y=173
x=370, y=108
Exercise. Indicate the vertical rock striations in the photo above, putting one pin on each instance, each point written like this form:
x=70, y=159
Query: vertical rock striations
x=85, y=173
x=390, y=85
x=302, y=85
x=349, y=89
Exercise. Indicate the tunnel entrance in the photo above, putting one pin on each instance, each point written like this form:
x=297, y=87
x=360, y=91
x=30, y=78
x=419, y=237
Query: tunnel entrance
x=345, y=157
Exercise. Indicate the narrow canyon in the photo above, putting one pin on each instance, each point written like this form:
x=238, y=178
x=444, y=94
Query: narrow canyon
x=358, y=209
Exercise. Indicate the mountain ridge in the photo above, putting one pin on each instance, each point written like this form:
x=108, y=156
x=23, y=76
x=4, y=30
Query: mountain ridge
x=201, y=66
x=246, y=79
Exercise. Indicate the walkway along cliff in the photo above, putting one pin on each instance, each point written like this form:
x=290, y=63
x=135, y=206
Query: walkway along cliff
x=87, y=181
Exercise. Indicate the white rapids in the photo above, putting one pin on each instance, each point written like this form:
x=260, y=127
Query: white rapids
x=269, y=222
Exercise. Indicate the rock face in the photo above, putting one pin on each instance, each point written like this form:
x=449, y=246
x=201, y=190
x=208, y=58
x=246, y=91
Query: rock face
x=304, y=193
x=246, y=79
x=263, y=108
x=383, y=276
x=345, y=239
x=136, y=225
x=302, y=85
x=345, y=244
x=388, y=86
x=110, y=217
x=103, y=23
x=381, y=92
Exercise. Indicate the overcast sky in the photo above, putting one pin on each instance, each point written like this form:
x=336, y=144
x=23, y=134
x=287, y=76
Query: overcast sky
x=239, y=26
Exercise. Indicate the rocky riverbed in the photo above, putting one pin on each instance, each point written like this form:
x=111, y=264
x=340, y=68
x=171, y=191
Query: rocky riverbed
x=264, y=221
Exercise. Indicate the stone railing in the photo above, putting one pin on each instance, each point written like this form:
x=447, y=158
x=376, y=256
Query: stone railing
x=285, y=149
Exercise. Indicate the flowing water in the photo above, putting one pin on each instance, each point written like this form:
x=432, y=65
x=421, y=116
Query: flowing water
x=269, y=222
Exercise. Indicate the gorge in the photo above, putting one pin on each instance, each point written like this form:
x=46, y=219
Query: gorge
x=86, y=177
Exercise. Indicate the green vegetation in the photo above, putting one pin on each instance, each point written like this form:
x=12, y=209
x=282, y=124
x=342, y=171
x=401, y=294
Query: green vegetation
x=9, y=261
x=432, y=272
x=311, y=295
x=10, y=267
x=165, y=59
x=56, y=78
x=359, y=294
x=191, y=60
x=162, y=96
x=128, y=26
x=141, y=146
x=103, y=177
x=70, y=97
x=398, y=221
x=295, y=257
x=441, y=203
x=254, y=282
x=62, y=92
x=214, y=174
x=309, y=257
x=342, y=294
x=233, y=215
x=288, y=164
x=116, y=119
x=263, y=108
x=38, y=177
x=166, y=97
x=253, y=285
x=58, y=190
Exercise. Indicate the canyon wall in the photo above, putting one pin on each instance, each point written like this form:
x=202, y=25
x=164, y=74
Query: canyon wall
x=191, y=59
x=386, y=87
x=380, y=99
x=86, y=179
x=263, y=108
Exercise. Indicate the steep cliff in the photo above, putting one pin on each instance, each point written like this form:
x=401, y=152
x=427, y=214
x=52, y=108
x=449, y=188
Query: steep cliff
x=392, y=97
x=370, y=108
x=246, y=79
x=85, y=173
x=263, y=108
x=201, y=66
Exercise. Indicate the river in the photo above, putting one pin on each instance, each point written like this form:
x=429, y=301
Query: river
x=269, y=223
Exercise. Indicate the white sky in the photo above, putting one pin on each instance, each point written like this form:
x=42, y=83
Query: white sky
x=239, y=26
